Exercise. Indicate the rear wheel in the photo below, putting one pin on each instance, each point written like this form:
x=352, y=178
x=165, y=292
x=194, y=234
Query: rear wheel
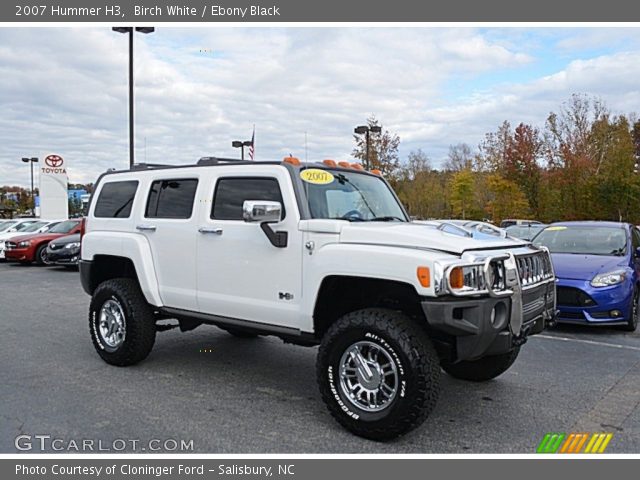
x=378, y=373
x=121, y=322
x=632, y=323
x=483, y=369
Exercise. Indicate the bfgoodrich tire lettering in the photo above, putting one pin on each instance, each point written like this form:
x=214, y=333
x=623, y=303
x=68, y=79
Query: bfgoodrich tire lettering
x=483, y=369
x=139, y=322
x=414, y=362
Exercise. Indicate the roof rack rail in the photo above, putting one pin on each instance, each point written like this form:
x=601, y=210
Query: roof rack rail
x=216, y=160
x=147, y=166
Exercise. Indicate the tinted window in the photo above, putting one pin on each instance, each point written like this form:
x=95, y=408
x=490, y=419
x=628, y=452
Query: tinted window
x=171, y=198
x=116, y=199
x=231, y=193
x=64, y=227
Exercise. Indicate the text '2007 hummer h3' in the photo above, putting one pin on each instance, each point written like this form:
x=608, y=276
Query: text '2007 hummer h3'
x=316, y=254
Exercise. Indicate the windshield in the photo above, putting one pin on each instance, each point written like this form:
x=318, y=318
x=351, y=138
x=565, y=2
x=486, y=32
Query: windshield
x=64, y=227
x=352, y=196
x=4, y=226
x=583, y=240
x=22, y=227
x=34, y=226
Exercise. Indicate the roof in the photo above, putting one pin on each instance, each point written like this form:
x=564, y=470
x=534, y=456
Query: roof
x=591, y=223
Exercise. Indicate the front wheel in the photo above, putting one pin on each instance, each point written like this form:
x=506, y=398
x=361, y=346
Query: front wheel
x=41, y=255
x=483, y=369
x=378, y=373
x=121, y=322
x=632, y=323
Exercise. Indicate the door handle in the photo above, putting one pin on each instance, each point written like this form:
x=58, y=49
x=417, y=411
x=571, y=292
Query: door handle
x=146, y=228
x=214, y=231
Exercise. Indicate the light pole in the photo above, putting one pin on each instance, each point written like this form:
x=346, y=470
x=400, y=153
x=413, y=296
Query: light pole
x=130, y=31
x=31, y=160
x=366, y=129
x=239, y=144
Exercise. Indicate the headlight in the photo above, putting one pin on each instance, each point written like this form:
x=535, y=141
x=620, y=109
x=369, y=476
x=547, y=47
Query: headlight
x=26, y=243
x=608, y=279
x=467, y=279
x=72, y=245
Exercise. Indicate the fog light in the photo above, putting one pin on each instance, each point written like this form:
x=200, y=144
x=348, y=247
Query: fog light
x=615, y=313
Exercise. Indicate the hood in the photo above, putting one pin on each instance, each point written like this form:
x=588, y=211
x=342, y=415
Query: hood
x=36, y=236
x=585, y=267
x=415, y=235
x=66, y=239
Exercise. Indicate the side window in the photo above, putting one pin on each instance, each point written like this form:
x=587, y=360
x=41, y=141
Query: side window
x=116, y=199
x=231, y=193
x=635, y=238
x=171, y=198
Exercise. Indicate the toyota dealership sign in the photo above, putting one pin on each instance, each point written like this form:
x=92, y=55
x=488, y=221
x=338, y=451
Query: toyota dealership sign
x=53, y=187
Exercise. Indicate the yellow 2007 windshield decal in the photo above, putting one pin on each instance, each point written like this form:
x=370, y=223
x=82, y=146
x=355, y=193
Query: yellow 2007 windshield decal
x=316, y=176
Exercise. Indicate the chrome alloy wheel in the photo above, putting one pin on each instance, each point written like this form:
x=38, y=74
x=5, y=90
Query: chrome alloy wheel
x=368, y=376
x=112, y=324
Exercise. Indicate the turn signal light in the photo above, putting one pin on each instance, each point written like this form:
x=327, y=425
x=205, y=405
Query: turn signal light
x=456, y=278
x=424, y=276
x=330, y=163
x=292, y=161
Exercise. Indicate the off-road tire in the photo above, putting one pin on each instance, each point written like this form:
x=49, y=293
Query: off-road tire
x=483, y=369
x=416, y=362
x=632, y=323
x=140, y=325
x=40, y=253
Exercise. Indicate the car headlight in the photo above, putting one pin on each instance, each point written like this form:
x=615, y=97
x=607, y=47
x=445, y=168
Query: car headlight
x=608, y=279
x=26, y=243
x=72, y=245
x=467, y=279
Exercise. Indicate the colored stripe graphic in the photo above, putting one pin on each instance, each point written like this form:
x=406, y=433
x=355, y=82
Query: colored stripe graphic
x=574, y=442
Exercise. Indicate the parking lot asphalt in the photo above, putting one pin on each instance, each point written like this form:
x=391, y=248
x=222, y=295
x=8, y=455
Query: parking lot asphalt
x=231, y=395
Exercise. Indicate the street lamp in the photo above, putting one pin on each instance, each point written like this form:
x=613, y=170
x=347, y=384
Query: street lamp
x=239, y=144
x=31, y=160
x=130, y=31
x=366, y=129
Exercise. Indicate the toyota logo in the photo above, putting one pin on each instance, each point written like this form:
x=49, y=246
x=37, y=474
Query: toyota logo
x=54, y=161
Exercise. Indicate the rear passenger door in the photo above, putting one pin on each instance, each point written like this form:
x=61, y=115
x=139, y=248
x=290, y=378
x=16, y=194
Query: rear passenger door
x=169, y=222
x=241, y=275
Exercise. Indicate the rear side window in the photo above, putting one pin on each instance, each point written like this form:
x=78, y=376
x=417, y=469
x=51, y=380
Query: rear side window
x=172, y=198
x=116, y=199
x=231, y=194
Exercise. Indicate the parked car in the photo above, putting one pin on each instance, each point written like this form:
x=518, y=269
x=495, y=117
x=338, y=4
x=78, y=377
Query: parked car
x=525, y=232
x=16, y=228
x=507, y=222
x=64, y=251
x=30, y=248
x=470, y=228
x=598, y=269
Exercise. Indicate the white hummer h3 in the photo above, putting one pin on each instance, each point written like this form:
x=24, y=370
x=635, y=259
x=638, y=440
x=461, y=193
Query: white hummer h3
x=316, y=254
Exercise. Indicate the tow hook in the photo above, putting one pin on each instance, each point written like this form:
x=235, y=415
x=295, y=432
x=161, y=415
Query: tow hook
x=522, y=338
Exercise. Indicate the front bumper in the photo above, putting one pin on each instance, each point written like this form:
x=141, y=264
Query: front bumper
x=586, y=305
x=481, y=326
x=19, y=254
x=63, y=256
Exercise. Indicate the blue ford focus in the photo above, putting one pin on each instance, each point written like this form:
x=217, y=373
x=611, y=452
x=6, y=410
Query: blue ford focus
x=597, y=266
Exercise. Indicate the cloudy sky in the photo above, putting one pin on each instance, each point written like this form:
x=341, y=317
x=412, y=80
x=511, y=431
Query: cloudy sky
x=64, y=90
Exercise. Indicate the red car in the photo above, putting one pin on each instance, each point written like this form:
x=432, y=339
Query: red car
x=30, y=248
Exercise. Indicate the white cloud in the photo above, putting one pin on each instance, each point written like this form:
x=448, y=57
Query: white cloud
x=65, y=90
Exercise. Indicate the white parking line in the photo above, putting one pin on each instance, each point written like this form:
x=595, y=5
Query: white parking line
x=590, y=342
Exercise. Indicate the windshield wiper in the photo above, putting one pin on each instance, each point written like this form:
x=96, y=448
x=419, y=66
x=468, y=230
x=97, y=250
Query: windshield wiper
x=387, y=218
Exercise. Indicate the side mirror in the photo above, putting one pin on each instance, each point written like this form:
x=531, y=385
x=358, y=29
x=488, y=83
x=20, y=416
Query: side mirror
x=261, y=211
x=264, y=213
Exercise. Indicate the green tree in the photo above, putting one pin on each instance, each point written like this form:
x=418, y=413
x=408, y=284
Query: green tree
x=508, y=199
x=462, y=194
